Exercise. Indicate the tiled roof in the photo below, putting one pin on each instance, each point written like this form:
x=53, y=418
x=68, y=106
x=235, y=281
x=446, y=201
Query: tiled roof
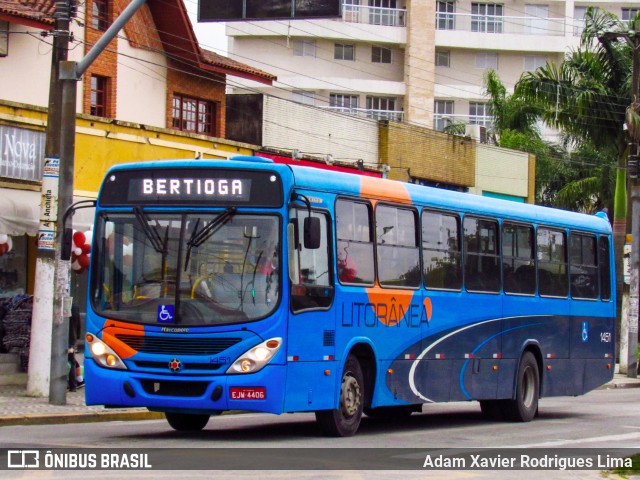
x=227, y=63
x=39, y=11
x=174, y=27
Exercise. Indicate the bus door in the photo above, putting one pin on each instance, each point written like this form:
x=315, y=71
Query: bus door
x=311, y=353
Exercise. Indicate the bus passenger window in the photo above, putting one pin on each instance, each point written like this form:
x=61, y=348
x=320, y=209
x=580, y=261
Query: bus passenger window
x=354, y=242
x=518, y=267
x=552, y=263
x=441, y=251
x=312, y=286
x=397, y=247
x=481, y=256
x=583, y=269
x=604, y=264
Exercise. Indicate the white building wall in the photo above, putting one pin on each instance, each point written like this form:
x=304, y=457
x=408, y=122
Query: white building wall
x=141, y=77
x=26, y=85
x=503, y=171
x=312, y=130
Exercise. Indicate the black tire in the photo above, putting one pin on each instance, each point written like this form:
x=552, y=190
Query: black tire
x=187, y=422
x=525, y=405
x=345, y=420
x=492, y=409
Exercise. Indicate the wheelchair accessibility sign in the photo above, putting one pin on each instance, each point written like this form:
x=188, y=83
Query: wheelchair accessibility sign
x=585, y=331
x=166, y=313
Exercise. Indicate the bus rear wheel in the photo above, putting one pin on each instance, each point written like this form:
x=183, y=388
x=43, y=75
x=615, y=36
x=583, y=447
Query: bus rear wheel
x=345, y=420
x=525, y=405
x=187, y=422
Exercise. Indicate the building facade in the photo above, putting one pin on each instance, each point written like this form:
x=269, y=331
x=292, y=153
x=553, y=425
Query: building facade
x=153, y=93
x=416, y=61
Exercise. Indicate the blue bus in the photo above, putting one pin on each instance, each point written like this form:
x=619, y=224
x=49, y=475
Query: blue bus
x=247, y=285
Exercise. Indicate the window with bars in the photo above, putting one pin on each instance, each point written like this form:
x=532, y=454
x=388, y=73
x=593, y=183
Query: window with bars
x=193, y=115
x=344, y=51
x=445, y=18
x=99, y=96
x=533, y=62
x=629, y=13
x=479, y=114
x=382, y=108
x=487, y=60
x=443, y=114
x=486, y=17
x=305, y=97
x=304, y=48
x=346, y=103
x=100, y=15
x=443, y=58
x=380, y=54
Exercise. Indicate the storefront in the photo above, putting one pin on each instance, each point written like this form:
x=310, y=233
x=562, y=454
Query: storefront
x=21, y=151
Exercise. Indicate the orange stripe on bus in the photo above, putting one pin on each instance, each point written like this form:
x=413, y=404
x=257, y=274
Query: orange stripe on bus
x=384, y=189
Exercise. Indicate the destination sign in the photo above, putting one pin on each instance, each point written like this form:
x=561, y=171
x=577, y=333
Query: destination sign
x=192, y=187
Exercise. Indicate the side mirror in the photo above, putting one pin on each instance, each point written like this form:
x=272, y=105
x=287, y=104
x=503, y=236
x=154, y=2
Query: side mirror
x=311, y=233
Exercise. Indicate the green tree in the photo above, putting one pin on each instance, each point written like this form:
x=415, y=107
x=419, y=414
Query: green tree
x=586, y=97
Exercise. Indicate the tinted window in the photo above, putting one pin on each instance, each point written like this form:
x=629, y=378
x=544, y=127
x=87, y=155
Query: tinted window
x=397, y=247
x=481, y=257
x=583, y=268
x=441, y=251
x=518, y=265
x=552, y=263
x=355, y=243
x=605, y=268
x=313, y=287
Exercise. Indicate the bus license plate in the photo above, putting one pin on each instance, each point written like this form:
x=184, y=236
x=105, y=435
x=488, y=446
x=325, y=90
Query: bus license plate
x=248, y=393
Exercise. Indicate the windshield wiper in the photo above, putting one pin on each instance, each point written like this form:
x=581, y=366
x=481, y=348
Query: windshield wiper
x=199, y=237
x=151, y=231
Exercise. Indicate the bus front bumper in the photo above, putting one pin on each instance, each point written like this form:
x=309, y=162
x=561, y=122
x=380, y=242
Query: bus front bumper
x=262, y=391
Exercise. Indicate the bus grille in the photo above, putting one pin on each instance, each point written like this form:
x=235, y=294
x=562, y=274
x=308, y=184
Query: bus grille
x=178, y=346
x=174, y=388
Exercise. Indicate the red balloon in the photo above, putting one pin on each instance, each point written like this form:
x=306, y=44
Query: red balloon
x=83, y=260
x=86, y=248
x=79, y=239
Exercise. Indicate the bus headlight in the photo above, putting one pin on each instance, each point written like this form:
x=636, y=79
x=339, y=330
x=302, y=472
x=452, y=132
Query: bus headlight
x=255, y=359
x=103, y=354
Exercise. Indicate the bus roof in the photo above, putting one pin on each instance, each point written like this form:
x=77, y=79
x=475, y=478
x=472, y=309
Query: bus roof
x=341, y=183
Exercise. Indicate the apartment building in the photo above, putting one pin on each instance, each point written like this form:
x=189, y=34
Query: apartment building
x=417, y=61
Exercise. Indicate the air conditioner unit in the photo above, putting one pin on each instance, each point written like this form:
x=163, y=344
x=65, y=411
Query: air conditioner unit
x=477, y=132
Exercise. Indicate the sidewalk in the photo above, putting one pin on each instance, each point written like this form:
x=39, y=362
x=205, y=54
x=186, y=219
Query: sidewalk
x=16, y=408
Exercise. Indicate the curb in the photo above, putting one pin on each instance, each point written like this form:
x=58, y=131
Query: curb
x=611, y=386
x=62, y=418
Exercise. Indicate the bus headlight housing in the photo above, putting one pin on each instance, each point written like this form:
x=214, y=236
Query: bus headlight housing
x=256, y=358
x=103, y=354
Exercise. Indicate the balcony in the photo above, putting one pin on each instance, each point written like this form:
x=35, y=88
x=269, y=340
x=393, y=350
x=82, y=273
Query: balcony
x=441, y=121
x=500, y=24
x=390, y=17
x=392, y=115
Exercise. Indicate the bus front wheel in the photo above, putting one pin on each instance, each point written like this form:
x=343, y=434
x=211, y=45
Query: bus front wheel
x=525, y=404
x=187, y=422
x=345, y=420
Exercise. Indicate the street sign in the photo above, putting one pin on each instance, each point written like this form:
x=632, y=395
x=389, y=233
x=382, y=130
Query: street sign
x=234, y=10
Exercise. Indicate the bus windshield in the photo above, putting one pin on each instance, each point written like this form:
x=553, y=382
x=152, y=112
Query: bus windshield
x=186, y=268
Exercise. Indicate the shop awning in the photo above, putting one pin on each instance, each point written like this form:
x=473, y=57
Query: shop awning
x=19, y=211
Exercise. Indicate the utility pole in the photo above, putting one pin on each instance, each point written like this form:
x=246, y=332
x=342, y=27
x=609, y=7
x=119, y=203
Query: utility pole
x=48, y=368
x=633, y=38
x=629, y=327
x=45, y=303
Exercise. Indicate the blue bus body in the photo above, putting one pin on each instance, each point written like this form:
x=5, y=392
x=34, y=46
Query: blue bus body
x=414, y=345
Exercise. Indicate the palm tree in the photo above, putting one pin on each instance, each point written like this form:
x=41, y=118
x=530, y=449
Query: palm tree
x=587, y=97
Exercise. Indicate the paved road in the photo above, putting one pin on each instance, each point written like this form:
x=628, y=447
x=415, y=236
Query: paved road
x=604, y=418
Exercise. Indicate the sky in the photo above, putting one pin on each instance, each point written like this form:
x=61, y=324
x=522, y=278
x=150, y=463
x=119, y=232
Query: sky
x=210, y=34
